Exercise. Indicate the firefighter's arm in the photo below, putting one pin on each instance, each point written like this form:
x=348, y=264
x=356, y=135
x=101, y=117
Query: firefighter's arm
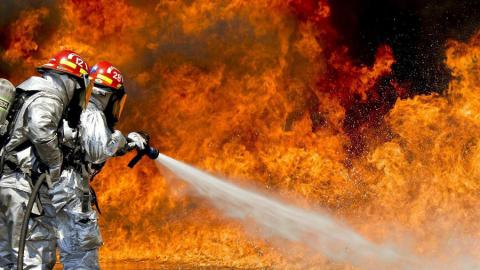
x=97, y=140
x=43, y=117
x=117, y=144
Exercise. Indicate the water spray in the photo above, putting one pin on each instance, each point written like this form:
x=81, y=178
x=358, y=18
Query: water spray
x=316, y=230
x=319, y=231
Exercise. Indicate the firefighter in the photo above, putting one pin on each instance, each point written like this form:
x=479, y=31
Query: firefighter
x=89, y=148
x=32, y=148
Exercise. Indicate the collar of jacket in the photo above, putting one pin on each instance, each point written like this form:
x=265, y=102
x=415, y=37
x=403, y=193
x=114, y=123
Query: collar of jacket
x=35, y=83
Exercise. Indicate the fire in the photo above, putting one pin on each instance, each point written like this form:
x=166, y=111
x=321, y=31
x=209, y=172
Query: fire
x=436, y=139
x=22, y=37
x=263, y=90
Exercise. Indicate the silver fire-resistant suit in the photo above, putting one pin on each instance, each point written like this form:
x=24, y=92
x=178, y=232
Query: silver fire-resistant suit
x=78, y=232
x=34, y=140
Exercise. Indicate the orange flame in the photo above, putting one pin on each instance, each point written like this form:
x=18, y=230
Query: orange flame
x=261, y=90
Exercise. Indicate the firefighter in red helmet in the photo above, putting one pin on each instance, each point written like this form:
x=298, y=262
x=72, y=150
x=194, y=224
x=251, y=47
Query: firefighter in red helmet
x=95, y=142
x=32, y=148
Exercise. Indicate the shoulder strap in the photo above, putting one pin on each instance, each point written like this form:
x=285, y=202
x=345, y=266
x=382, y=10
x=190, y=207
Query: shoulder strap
x=19, y=105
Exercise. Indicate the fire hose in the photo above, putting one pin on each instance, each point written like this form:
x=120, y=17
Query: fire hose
x=148, y=151
x=26, y=217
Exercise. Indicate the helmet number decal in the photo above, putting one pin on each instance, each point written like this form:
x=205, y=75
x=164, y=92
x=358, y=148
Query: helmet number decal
x=117, y=76
x=79, y=61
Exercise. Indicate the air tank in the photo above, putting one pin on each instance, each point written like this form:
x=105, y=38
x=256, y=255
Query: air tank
x=7, y=95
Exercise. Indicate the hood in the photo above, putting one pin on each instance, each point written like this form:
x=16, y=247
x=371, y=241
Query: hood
x=41, y=84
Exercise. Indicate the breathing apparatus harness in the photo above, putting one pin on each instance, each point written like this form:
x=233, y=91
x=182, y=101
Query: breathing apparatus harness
x=9, y=117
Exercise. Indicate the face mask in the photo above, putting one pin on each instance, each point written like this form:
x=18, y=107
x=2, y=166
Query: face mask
x=85, y=92
x=112, y=101
x=79, y=102
x=101, y=97
x=118, y=106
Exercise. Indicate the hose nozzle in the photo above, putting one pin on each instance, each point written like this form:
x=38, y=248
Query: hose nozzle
x=149, y=151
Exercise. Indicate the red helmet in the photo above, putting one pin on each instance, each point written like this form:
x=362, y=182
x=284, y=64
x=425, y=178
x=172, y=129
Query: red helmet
x=105, y=74
x=71, y=63
x=68, y=62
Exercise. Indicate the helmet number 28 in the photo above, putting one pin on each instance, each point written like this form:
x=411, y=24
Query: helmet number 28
x=117, y=76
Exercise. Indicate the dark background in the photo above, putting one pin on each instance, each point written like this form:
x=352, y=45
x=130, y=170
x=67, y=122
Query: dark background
x=417, y=31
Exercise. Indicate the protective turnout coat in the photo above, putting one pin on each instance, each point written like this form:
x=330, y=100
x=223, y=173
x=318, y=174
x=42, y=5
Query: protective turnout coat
x=79, y=235
x=34, y=141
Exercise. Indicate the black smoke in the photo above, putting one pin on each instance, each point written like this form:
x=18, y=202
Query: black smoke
x=417, y=31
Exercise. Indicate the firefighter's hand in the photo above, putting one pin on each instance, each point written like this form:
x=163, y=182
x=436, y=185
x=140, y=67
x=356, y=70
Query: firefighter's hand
x=137, y=140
